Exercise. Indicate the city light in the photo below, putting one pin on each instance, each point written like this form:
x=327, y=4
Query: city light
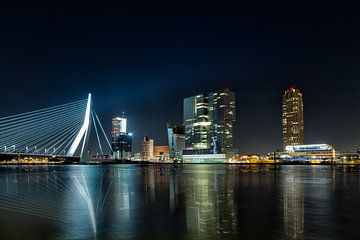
x=207, y=120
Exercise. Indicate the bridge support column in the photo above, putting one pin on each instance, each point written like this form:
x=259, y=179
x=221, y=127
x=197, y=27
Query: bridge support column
x=83, y=135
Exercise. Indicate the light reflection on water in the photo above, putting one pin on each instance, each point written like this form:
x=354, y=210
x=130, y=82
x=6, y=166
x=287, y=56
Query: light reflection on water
x=179, y=202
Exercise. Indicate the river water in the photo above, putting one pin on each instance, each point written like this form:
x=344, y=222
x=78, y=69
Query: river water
x=179, y=202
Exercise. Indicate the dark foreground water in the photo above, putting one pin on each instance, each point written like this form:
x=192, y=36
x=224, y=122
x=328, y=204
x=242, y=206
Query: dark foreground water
x=179, y=202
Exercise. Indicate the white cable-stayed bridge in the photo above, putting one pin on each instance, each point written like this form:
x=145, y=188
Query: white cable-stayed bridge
x=58, y=131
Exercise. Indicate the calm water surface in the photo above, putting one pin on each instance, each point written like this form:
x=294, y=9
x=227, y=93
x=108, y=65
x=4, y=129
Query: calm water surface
x=179, y=202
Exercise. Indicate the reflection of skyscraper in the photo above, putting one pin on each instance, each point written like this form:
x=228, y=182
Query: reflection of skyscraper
x=210, y=206
x=208, y=120
x=150, y=184
x=201, y=206
x=292, y=117
x=227, y=218
x=293, y=203
x=176, y=140
x=173, y=192
x=121, y=140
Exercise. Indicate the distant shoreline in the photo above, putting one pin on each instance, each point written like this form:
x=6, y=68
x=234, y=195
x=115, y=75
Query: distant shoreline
x=153, y=163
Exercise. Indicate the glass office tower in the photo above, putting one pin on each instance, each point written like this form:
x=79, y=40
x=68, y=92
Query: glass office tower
x=197, y=124
x=208, y=120
x=222, y=116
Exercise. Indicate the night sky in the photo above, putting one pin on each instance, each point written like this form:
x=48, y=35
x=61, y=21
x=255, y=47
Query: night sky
x=144, y=58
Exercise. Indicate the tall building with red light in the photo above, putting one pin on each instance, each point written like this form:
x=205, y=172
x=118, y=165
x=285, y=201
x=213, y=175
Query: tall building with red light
x=292, y=117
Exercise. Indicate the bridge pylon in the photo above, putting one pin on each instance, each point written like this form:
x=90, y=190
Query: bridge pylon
x=83, y=135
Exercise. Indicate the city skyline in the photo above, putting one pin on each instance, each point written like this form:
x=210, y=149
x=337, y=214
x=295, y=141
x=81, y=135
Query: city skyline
x=143, y=59
x=217, y=119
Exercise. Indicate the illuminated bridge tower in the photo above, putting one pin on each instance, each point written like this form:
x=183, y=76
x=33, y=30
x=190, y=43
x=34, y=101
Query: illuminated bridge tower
x=83, y=135
x=292, y=117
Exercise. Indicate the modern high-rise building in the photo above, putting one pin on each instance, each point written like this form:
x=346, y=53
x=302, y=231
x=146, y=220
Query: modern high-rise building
x=222, y=116
x=121, y=140
x=176, y=139
x=292, y=117
x=208, y=120
x=119, y=125
x=197, y=124
x=147, y=149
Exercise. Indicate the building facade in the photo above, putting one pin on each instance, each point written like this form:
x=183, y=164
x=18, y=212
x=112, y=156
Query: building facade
x=122, y=147
x=222, y=117
x=197, y=124
x=292, y=118
x=176, y=140
x=208, y=120
x=147, y=149
x=161, y=153
x=121, y=141
x=312, y=153
x=119, y=125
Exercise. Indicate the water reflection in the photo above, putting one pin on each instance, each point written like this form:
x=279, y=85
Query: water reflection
x=178, y=201
x=210, y=204
x=293, y=206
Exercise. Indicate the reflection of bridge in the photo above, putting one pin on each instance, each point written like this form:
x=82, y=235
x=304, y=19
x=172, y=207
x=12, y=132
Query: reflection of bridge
x=59, y=131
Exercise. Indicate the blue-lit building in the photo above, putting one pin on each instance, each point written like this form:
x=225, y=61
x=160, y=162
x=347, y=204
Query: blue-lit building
x=312, y=153
x=121, y=140
x=176, y=140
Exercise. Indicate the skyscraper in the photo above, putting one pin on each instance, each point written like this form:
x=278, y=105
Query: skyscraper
x=176, y=139
x=197, y=124
x=222, y=116
x=292, y=117
x=208, y=120
x=147, y=149
x=119, y=125
x=121, y=141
